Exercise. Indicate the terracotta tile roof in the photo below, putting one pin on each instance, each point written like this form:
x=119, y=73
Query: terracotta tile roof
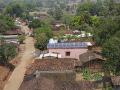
x=43, y=83
x=115, y=80
x=52, y=65
x=13, y=32
x=55, y=81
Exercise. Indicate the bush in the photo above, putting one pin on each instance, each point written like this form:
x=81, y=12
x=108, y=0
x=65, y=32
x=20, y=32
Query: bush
x=7, y=52
x=86, y=74
x=97, y=77
x=21, y=38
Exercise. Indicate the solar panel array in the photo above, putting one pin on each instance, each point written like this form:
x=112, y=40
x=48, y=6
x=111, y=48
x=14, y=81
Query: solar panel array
x=68, y=45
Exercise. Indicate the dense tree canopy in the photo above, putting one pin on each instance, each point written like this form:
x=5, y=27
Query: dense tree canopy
x=35, y=24
x=111, y=51
x=14, y=9
x=41, y=41
x=7, y=52
x=6, y=23
x=56, y=12
x=106, y=30
x=42, y=36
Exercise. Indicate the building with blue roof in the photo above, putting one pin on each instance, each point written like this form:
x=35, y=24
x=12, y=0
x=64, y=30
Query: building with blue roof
x=69, y=49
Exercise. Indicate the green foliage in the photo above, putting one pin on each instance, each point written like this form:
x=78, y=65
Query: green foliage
x=76, y=22
x=56, y=12
x=95, y=20
x=82, y=22
x=97, y=76
x=99, y=8
x=21, y=38
x=41, y=41
x=26, y=16
x=18, y=9
x=86, y=74
x=14, y=9
x=6, y=23
x=7, y=52
x=92, y=8
x=67, y=19
x=51, y=12
x=35, y=24
x=45, y=29
x=106, y=30
x=111, y=51
x=42, y=36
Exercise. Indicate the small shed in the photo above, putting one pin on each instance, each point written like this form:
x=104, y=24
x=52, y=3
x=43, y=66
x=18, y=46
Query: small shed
x=92, y=60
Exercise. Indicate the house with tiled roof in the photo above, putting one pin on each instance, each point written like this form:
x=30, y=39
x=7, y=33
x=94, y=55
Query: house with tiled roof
x=53, y=74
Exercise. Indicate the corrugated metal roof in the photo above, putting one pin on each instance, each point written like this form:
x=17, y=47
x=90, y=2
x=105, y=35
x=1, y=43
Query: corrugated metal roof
x=68, y=45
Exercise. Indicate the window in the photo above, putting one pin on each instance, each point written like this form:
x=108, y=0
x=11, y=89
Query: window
x=67, y=53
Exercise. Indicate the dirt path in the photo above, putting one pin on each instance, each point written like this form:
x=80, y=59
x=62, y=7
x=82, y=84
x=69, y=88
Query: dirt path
x=17, y=76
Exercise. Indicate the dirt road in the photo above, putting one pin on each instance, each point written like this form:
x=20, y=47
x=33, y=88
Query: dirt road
x=17, y=76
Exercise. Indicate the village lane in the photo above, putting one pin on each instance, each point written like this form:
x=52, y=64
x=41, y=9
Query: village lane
x=17, y=76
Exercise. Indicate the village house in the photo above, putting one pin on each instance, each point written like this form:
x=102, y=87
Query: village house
x=11, y=36
x=39, y=15
x=57, y=26
x=92, y=60
x=68, y=49
x=56, y=74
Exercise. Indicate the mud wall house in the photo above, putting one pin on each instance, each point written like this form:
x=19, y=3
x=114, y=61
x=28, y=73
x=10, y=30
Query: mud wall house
x=68, y=49
x=91, y=60
x=11, y=37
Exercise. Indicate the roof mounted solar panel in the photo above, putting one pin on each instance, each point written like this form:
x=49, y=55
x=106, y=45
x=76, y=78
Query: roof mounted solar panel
x=68, y=45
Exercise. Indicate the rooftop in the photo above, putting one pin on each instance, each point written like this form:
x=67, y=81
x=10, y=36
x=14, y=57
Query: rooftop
x=60, y=64
x=68, y=45
x=13, y=32
x=89, y=56
x=43, y=83
x=115, y=80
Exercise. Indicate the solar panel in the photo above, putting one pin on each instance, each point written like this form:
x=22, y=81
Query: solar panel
x=68, y=45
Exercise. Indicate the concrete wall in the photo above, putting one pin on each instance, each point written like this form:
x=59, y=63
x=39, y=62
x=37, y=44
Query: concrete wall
x=74, y=53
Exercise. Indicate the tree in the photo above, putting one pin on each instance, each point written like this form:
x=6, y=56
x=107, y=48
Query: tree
x=42, y=36
x=51, y=12
x=67, y=19
x=21, y=38
x=76, y=22
x=14, y=9
x=41, y=41
x=6, y=23
x=111, y=51
x=85, y=7
x=106, y=30
x=95, y=21
x=82, y=22
x=35, y=24
x=7, y=52
x=44, y=29
x=58, y=13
